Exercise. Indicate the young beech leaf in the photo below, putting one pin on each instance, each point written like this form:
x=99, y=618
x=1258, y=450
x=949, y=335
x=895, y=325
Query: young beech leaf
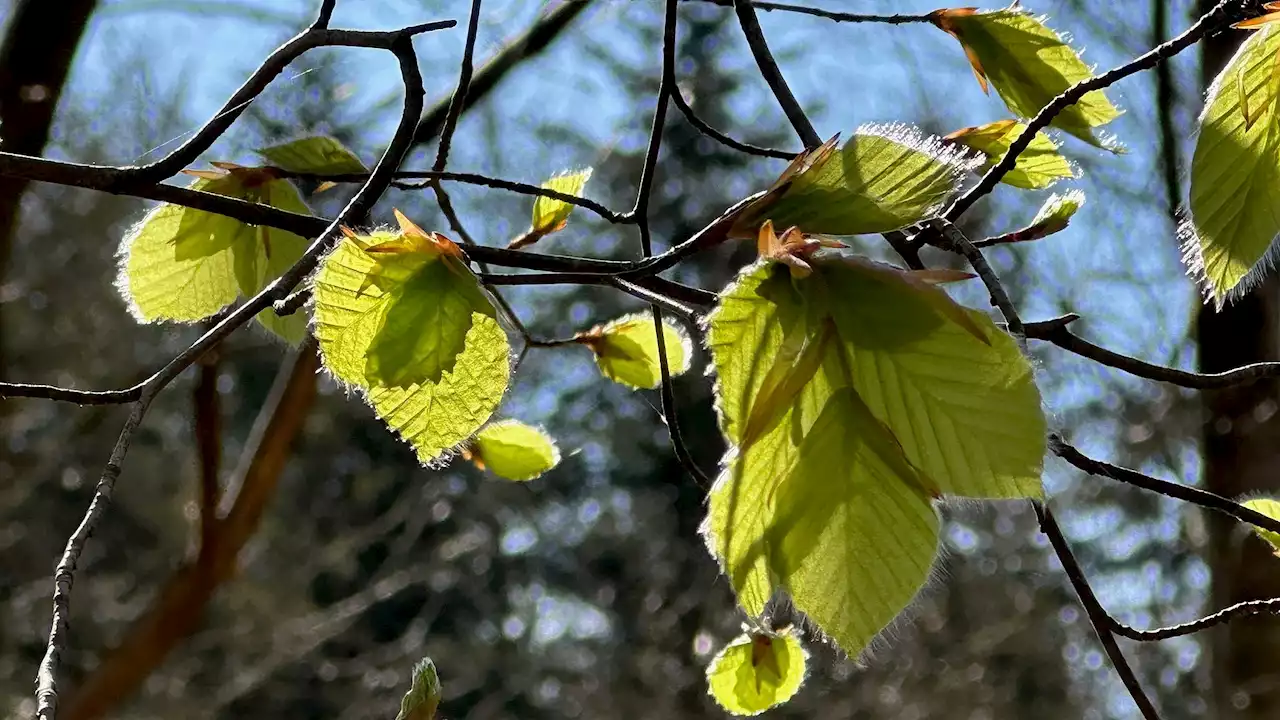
x=1029, y=65
x=626, y=350
x=551, y=215
x=513, y=450
x=1037, y=167
x=826, y=491
x=319, y=155
x=1271, y=508
x=184, y=265
x=757, y=671
x=884, y=178
x=423, y=698
x=1055, y=214
x=1235, y=171
x=358, y=287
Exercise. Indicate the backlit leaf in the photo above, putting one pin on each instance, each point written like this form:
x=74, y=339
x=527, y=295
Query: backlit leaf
x=884, y=178
x=1271, y=508
x=1056, y=212
x=424, y=695
x=827, y=490
x=757, y=671
x=626, y=350
x=551, y=215
x=319, y=155
x=185, y=265
x=1037, y=167
x=1029, y=65
x=513, y=450
x=1235, y=171
x=356, y=289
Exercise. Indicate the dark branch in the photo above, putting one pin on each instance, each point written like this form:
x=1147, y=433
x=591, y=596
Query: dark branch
x=1102, y=622
x=1223, y=616
x=840, y=17
x=1055, y=331
x=1185, y=493
x=701, y=126
x=772, y=75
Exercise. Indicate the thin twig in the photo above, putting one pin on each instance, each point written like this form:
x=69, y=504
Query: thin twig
x=701, y=126
x=1185, y=493
x=1098, y=616
x=840, y=17
x=1055, y=331
x=1223, y=616
x=948, y=237
x=773, y=75
x=1212, y=20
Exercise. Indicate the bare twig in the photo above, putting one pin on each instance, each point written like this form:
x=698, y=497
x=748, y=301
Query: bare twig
x=840, y=17
x=701, y=126
x=1185, y=493
x=773, y=75
x=1055, y=331
x=1102, y=622
x=948, y=237
x=1223, y=616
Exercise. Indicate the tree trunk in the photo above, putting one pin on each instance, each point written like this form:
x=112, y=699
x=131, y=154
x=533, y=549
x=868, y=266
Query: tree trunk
x=1241, y=456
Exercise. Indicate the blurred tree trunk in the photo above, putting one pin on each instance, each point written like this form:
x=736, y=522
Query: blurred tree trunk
x=1241, y=456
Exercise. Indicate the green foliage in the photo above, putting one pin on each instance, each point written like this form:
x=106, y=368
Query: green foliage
x=1029, y=65
x=1271, y=508
x=884, y=178
x=757, y=671
x=1037, y=167
x=423, y=698
x=367, y=288
x=551, y=215
x=185, y=265
x=626, y=350
x=319, y=155
x=513, y=450
x=1235, y=172
x=852, y=398
x=1055, y=214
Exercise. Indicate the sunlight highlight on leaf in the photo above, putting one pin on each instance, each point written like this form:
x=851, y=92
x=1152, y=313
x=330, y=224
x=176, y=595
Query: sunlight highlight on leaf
x=1029, y=65
x=1037, y=167
x=757, y=671
x=626, y=350
x=319, y=155
x=514, y=450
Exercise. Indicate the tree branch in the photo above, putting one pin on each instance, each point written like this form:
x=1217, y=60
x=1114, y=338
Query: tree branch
x=746, y=13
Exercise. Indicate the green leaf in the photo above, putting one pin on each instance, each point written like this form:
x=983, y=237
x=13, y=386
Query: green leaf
x=185, y=265
x=1055, y=214
x=357, y=286
x=423, y=698
x=1037, y=167
x=319, y=155
x=513, y=450
x=626, y=350
x=551, y=215
x=1271, y=508
x=884, y=178
x=1235, y=171
x=827, y=489
x=1029, y=65
x=425, y=326
x=757, y=671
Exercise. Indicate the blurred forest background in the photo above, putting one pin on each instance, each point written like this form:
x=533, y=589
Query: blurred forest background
x=586, y=593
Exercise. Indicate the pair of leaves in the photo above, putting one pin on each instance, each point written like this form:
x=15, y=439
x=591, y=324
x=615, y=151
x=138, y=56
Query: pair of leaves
x=1029, y=65
x=183, y=265
x=399, y=316
x=1037, y=167
x=886, y=177
x=851, y=399
x=756, y=671
x=1235, y=171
